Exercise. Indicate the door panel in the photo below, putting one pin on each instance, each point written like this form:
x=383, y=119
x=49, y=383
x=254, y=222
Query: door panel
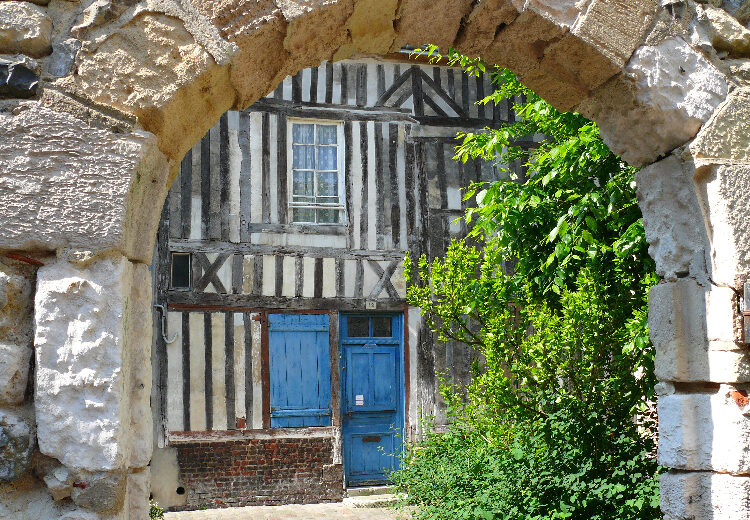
x=300, y=370
x=373, y=396
x=369, y=450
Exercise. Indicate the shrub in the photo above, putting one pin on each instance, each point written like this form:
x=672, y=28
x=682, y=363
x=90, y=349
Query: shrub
x=155, y=511
x=549, y=427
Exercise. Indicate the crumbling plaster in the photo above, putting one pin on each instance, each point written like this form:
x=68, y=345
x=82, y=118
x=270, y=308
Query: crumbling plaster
x=100, y=99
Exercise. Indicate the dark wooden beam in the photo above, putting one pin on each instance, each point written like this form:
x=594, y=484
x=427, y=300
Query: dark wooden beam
x=206, y=302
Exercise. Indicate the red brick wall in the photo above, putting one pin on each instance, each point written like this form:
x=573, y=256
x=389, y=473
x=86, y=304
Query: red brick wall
x=243, y=472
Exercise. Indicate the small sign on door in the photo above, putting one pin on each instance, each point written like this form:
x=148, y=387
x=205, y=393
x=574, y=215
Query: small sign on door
x=359, y=400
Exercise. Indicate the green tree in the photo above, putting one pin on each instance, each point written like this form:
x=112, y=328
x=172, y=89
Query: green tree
x=550, y=426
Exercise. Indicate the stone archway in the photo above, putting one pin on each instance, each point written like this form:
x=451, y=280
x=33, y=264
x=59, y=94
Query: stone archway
x=118, y=91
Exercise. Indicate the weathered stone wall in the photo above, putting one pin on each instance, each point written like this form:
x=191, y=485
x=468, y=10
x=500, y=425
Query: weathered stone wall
x=99, y=100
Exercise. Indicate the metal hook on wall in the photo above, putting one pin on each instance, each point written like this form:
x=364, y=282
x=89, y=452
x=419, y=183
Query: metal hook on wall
x=163, y=312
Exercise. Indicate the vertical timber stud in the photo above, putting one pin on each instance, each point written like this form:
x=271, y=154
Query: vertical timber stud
x=208, y=370
x=333, y=324
x=247, y=322
x=407, y=372
x=746, y=314
x=161, y=346
x=265, y=370
x=229, y=371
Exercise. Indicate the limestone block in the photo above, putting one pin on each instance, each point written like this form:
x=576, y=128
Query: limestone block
x=102, y=17
x=672, y=218
x=16, y=302
x=60, y=482
x=258, y=26
x=139, y=490
x=480, y=27
x=537, y=45
x=666, y=93
x=562, y=12
x=155, y=69
x=705, y=432
x=676, y=79
x=100, y=492
x=15, y=363
x=692, y=328
x=532, y=46
x=724, y=195
x=63, y=57
x=578, y=63
x=370, y=27
x=24, y=28
x=672, y=23
x=615, y=27
x=16, y=443
x=82, y=514
x=28, y=498
x=429, y=21
x=315, y=30
x=704, y=496
x=139, y=329
x=70, y=185
x=16, y=330
x=92, y=382
x=725, y=138
x=724, y=32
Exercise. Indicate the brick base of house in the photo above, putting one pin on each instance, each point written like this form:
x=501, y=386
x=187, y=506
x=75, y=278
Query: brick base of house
x=245, y=472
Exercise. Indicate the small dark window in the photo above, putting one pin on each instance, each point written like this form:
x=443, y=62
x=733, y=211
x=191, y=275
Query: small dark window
x=181, y=270
x=381, y=327
x=358, y=326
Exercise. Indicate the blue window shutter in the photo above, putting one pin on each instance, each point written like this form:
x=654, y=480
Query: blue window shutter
x=300, y=370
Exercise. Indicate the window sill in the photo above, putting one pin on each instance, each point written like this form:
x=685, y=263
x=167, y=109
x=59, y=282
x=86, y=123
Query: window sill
x=304, y=229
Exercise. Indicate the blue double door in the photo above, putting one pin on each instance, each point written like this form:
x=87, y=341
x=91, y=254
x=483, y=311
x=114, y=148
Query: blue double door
x=372, y=396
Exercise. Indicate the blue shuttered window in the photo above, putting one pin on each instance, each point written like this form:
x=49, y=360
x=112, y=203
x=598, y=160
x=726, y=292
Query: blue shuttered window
x=300, y=370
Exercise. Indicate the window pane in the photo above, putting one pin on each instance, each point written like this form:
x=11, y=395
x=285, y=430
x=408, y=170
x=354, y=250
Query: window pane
x=303, y=215
x=303, y=184
x=327, y=156
x=381, y=327
x=328, y=185
x=326, y=134
x=303, y=133
x=304, y=157
x=180, y=270
x=358, y=326
x=328, y=216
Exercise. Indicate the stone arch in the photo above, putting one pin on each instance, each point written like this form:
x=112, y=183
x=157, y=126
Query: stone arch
x=125, y=88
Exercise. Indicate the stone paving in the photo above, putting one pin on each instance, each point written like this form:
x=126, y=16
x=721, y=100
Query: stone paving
x=293, y=512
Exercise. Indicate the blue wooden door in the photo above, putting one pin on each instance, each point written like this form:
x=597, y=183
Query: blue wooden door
x=299, y=351
x=372, y=396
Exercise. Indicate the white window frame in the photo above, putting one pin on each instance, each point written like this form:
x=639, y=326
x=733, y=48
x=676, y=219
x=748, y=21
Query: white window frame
x=340, y=143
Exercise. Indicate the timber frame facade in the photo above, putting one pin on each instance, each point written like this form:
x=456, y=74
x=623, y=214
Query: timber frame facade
x=305, y=205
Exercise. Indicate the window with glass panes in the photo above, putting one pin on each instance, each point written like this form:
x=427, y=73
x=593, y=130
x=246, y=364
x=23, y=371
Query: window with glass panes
x=317, y=183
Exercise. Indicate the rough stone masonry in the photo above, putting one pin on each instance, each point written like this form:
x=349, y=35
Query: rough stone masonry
x=99, y=100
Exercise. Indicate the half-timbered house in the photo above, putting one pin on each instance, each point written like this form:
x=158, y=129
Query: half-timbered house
x=288, y=365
